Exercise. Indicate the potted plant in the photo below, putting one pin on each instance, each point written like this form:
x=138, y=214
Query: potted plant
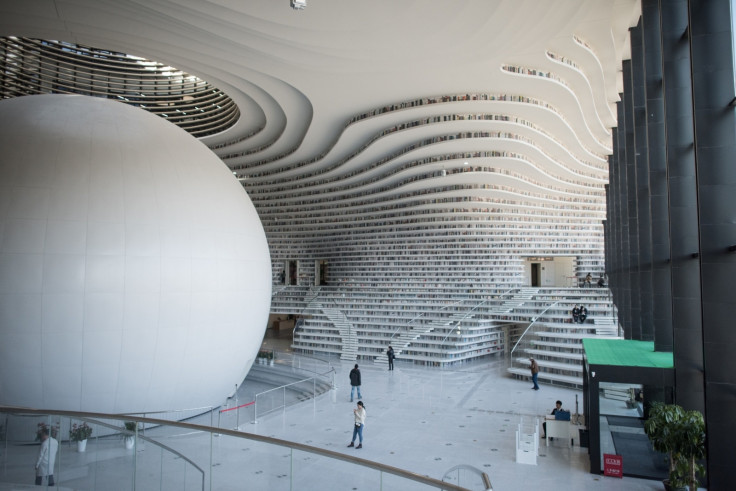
x=129, y=439
x=79, y=433
x=690, y=446
x=681, y=435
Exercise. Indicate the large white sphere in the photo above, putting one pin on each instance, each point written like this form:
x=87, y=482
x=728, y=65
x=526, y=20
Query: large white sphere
x=134, y=271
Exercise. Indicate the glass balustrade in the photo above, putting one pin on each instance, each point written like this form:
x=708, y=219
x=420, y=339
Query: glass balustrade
x=157, y=454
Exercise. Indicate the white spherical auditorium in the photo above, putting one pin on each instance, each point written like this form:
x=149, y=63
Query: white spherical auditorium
x=134, y=271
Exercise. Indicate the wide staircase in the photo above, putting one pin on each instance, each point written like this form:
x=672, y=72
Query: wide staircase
x=516, y=300
x=347, y=333
x=556, y=342
x=407, y=336
x=437, y=328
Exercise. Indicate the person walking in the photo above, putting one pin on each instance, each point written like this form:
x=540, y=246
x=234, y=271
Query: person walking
x=359, y=415
x=355, y=382
x=391, y=356
x=534, y=367
x=46, y=458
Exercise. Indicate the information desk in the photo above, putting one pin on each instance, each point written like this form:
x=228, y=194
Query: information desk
x=557, y=429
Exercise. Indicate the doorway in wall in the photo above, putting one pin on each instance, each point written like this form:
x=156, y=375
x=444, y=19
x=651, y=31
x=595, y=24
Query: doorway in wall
x=291, y=270
x=320, y=272
x=547, y=271
x=536, y=274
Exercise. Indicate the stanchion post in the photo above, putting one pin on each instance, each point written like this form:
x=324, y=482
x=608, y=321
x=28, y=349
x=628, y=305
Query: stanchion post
x=237, y=410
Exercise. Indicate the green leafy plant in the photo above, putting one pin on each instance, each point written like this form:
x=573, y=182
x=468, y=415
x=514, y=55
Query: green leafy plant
x=130, y=425
x=681, y=435
x=78, y=433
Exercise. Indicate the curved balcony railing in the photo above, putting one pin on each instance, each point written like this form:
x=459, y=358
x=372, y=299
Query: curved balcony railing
x=183, y=456
x=35, y=66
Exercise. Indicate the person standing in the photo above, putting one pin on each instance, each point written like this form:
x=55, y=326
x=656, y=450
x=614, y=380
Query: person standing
x=355, y=382
x=46, y=458
x=391, y=356
x=359, y=415
x=534, y=367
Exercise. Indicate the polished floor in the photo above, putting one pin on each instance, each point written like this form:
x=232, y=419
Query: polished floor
x=423, y=420
x=428, y=420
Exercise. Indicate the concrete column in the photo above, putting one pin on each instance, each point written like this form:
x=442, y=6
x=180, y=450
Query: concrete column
x=684, y=246
x=613, y=256
x=661, y=278
x=713, y=76
x=641, y=298
x=631, y=228
x=620, y=280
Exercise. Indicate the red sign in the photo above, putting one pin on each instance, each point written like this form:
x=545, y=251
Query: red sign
x=613, y=465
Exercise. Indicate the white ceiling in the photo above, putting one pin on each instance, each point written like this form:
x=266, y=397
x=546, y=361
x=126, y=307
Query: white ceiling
x=299, y=76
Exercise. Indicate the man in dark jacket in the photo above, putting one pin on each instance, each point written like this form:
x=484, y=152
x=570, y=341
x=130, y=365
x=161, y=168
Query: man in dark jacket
x=576, y=314
x=391, y=356
x=355, y=382
x=583, y=314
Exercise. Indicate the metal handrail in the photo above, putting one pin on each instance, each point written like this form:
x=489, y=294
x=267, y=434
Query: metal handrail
x=252, y=437
x=91, y=418
x=300, y=315
x=507, y=292
x=457, y=324
x=282, y=388
x=534, y=320
x=487, y=486
x=411, y=322
x=143, y=437
x=317, y=375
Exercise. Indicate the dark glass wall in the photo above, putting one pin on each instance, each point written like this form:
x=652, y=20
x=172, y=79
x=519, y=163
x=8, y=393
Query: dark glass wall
x=715, y=155
x=672, y=206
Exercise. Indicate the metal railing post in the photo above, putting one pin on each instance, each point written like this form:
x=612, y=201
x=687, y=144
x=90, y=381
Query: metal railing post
x=237, y=411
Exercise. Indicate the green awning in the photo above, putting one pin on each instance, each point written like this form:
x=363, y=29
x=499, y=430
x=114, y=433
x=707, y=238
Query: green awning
x=626, y=352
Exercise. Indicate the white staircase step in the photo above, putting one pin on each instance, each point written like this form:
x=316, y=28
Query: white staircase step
x=555, y=377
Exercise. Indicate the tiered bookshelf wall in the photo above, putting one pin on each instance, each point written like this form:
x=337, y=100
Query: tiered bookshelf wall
x=426, y=222
x=443, y=327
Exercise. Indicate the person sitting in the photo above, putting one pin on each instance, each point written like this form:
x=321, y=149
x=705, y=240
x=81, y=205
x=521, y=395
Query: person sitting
x=555, y=410
x=601, y=282
x=575, y=314
x=588, y=283
x=582, y=314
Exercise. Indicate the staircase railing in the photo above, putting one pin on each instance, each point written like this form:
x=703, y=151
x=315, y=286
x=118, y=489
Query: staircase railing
x=534, y=321
x=411, y=322
x=457, y=324
x=467, y=474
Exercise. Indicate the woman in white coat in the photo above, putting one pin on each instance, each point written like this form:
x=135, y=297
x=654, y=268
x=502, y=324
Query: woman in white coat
x=46, y=458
